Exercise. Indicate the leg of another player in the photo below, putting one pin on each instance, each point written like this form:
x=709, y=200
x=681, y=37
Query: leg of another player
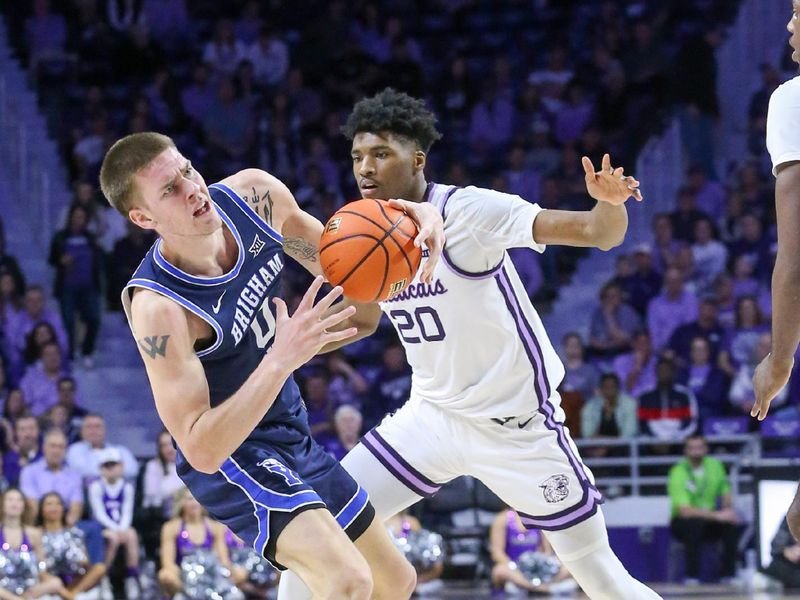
x=388, y=497
x=318, y=551
x=585, y=551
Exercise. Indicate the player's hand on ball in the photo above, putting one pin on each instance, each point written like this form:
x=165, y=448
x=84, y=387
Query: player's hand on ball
x=298, y=338
x=769, y=379
x=610, y=184
x=431, y=232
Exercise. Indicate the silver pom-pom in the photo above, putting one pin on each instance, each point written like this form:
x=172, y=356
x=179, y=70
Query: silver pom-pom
x=66, y=553
x=18, y=570
x=423, y=549
x=204, y=578
x=538, y=568
x=260, y=572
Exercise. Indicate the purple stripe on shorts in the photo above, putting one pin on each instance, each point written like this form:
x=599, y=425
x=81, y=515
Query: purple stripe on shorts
x=566, y=518
x=390, y=459
x=535, y=355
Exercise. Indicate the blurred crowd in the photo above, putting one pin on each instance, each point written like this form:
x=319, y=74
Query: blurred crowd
x=522, y=89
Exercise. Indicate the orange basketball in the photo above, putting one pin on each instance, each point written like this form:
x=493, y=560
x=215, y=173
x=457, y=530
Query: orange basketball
x=367, y=247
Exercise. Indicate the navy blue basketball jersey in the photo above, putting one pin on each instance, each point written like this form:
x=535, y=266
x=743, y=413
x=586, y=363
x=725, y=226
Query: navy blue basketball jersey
x=237, y=305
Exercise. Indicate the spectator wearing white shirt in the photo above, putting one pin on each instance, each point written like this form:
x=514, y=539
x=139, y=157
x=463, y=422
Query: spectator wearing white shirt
x=709, y=254
x=224, y=53
x=270, y=57
x=161, y=480
x=111, y=499
x=84, y=456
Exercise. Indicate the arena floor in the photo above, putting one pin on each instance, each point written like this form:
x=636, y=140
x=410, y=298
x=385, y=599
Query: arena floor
x=671, y=591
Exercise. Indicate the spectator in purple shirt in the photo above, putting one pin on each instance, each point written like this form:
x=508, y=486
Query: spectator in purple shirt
x=709, y=254
x=645, y=282
x=167, y=21
x=41, y=335
x=744, y=284
x=33, y=312
x=637, y=369
x=706, y=326
x=708, y=383
x=740, y=342
x=78, y=261
x=46, y=33
x=710, y=196
x=520, y=178
x=666, y=246
x=40, y=383
x=685, y=215
x=491, y=122
x=198, y=97
x=753, y=243
x=26, y=439
x=347, y=422
x=14, y=408
x=391, y=386
x=319, y=405
x=613, y=323
x=51, y=474
x=670, y=309
x=579, y=377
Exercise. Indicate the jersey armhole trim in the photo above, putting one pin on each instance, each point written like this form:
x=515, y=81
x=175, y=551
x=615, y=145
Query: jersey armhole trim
x=248, y=210
x=190, y=306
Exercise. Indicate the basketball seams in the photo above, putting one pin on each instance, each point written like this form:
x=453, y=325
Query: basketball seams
x=384, y=224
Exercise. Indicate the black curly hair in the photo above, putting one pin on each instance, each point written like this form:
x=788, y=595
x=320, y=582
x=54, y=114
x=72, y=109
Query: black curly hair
x=395, y=112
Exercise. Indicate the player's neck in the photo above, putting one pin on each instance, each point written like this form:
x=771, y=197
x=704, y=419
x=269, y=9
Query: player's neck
x=209, y=255
x=417, y=191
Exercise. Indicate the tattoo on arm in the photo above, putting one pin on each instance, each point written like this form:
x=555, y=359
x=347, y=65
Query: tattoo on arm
x=153, y=346
x=300, y=249
x=267, y=206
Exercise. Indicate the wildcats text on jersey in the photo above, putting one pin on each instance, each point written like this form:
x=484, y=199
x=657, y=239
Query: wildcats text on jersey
x=252, y=296
x=420, y=290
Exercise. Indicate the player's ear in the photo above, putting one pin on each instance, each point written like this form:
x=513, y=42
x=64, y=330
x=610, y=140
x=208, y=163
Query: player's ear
x=141, y=219
x=419, y=160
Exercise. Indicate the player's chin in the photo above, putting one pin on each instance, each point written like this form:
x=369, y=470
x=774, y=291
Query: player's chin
x=371, y=192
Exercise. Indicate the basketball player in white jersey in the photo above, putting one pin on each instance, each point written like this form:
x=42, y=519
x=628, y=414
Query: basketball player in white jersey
x=483, y=399
x=783, y=143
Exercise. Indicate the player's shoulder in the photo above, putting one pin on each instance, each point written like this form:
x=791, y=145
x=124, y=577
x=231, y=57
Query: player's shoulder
x=246, y=180
x=473, y=197
x=786, y=95
x=152, y=308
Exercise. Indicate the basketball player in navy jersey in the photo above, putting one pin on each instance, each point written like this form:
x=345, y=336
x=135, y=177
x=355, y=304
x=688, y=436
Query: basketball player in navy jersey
x=484, y=399
x=220, y=348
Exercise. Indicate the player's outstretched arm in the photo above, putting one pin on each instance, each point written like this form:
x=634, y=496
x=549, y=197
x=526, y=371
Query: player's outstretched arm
x=773, y=372
x=602, y=227
x=166, y=342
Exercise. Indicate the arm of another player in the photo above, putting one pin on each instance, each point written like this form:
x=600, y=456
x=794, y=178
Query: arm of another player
x=602, y=227
x=178, y=381
x=773, y=372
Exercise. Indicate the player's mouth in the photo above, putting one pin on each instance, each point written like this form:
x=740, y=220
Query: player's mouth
x=369, y=189
x=203, y=209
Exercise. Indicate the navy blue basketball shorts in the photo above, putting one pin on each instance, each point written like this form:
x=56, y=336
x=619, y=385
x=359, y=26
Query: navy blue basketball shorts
x=261, y=487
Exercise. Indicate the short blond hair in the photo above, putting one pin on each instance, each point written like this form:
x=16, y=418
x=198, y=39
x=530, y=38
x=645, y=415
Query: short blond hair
x=123, y=160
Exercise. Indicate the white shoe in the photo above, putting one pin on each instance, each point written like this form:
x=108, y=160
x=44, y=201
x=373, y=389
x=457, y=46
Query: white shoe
x=567, y=587
x=105, y=589
x=430, y=587
x=511, y=589
x=131, y=588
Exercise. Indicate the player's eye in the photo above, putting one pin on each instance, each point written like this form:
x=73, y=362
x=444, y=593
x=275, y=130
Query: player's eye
x=381, y=154
x=188, y=170
x=356, y=158
x=169, y=189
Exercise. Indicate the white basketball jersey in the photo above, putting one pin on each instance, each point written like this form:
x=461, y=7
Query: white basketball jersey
x=474, y=340
x=783, y=124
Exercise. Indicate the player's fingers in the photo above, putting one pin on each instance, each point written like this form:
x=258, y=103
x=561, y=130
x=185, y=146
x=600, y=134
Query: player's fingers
x=338, y=317
x=336, y=336
x=423, y=235
x=637, y=194
x=606, y=163
x=328, y=299
x=398, y=204
x=588, y=167
x=618, y=173
x=281, y=312
x=311, y=293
